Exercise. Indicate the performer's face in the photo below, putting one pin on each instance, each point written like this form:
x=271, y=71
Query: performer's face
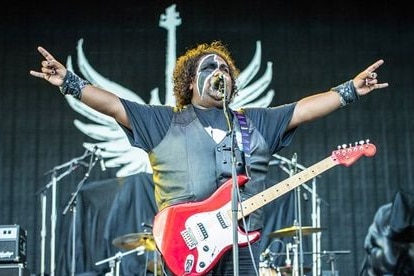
x=209, y=68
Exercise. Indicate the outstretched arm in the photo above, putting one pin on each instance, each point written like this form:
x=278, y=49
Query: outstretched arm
x=322, y=104
x=103, y=101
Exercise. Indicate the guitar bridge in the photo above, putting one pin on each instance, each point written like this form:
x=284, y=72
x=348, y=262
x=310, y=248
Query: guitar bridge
x=189, y=239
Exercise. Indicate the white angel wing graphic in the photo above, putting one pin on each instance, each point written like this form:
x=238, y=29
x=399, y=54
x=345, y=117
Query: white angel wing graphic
x=116, y=149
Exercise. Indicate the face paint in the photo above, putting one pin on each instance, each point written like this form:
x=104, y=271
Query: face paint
x=206, y=68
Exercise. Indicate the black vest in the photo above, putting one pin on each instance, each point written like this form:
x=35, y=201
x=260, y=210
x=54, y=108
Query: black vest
x=188, y=165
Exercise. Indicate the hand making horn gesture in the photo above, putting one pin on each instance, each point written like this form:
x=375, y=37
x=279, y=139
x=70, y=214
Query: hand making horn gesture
x=367, y=81
x=52, y=70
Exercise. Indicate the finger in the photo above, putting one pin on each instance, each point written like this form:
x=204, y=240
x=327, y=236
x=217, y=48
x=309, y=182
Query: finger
x=381, y=85
x=376, y=85
x=370, y=76
x=374, y=66
x=45, y=53
x=369, y=82
x=37, y=74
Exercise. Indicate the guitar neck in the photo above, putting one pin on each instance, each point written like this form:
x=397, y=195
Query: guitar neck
x=259, y=200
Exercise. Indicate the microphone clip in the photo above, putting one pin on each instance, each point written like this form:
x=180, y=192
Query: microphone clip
x=98, y=155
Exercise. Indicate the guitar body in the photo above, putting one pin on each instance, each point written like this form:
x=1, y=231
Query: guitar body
x=193, y=236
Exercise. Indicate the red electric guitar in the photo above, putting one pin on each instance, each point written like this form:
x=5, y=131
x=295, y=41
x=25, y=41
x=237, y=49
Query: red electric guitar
x=193, y=236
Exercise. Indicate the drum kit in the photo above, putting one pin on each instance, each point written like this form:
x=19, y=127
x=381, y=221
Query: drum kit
x=134, y=243
x=292, y=266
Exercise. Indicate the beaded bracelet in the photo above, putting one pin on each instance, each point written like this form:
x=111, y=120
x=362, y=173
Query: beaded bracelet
x=73, y=85
x=347, y=93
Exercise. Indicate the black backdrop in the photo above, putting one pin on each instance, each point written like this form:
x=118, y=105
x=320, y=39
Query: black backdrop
x=312, y=47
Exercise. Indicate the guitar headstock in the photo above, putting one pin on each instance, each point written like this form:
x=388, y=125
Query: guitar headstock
x=348, y=154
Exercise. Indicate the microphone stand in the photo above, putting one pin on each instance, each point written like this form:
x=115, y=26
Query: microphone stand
x=71, y=205
x=234, y=197
x=115, y=261
x=297, y=264
x=316, y=237
x=73, y=165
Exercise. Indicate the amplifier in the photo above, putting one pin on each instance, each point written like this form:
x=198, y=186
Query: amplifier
x=13, y=270
x=12, y=244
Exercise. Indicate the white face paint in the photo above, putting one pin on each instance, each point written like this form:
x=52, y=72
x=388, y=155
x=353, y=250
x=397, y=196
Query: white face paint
x=208, y=67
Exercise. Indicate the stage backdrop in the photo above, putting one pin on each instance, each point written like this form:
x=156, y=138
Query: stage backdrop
x=285, y=52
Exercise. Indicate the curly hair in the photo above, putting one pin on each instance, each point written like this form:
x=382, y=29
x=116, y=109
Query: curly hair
x=186, y=66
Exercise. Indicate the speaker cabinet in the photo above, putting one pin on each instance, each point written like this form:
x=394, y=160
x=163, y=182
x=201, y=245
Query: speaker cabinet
x=12, y=244
x=13, y=270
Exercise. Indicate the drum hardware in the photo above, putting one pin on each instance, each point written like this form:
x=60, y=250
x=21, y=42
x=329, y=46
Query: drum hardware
x=145, y=240
x=267, y=264
x=292, y=261
x=287, y=270
x=291, y=167
x=332, y=258
x=115, y=261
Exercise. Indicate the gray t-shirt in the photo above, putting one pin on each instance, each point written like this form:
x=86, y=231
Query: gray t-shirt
x=150, y=123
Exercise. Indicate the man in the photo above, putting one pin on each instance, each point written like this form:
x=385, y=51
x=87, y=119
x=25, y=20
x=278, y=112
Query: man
x=201, y=144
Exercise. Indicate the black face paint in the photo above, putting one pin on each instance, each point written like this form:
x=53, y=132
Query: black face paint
x=206, y=68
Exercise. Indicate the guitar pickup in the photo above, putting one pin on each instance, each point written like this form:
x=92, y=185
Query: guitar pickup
x=223, y=222
x=201, y=231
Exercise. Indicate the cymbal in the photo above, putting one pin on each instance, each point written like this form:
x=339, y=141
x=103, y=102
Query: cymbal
x=134, y=240
x=292, y=231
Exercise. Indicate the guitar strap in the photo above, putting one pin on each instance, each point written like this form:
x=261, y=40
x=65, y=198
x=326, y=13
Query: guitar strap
x=244, y=129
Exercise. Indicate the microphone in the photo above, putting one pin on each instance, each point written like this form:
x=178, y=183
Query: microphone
x=218, y=83
x=101, y=161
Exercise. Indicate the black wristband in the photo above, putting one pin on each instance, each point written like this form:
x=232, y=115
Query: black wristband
x=73, y=85
x=347, y=92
